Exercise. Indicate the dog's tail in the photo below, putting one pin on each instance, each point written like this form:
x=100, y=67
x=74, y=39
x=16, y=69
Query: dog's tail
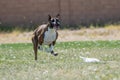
x=35, y=44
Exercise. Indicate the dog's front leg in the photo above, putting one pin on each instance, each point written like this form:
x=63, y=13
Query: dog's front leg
x=51, y=47
x=40, y=47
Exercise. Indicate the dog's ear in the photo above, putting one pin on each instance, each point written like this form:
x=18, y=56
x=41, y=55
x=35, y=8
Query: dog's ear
x=49, y=17
x=58, y=15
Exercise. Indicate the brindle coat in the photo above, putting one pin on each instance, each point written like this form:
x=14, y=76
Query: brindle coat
x=38, y=37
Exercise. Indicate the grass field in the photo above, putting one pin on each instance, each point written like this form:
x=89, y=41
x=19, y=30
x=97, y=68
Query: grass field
x=17, y=61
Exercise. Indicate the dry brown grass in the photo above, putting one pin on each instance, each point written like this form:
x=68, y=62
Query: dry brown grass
x=107, y=33
x=110, y=32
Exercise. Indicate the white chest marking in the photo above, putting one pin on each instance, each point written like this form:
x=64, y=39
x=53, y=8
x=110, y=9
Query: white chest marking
x=49, y=36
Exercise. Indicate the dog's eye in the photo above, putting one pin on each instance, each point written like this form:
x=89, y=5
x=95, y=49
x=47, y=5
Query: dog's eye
x=57, y=20
x=53, y=20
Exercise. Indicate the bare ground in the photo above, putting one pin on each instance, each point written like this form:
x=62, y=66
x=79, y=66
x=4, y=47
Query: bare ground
x=109, y=33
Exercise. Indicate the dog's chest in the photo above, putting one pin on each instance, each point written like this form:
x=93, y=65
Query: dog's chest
x=49, y=36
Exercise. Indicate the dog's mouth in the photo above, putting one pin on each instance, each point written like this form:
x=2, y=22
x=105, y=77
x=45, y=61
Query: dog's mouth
x=55, y=26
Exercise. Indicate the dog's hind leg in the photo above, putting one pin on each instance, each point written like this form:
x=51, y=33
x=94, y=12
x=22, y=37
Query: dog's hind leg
x=35, y=45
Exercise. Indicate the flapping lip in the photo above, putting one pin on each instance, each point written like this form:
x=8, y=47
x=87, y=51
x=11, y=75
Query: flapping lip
x=56, y=27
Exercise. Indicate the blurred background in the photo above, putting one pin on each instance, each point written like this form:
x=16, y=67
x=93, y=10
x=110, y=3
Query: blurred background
x=26, y=15
x=74, y=13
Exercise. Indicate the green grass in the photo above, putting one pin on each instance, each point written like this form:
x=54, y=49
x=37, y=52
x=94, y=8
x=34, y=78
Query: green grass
x=17, y=61
x=10, y=29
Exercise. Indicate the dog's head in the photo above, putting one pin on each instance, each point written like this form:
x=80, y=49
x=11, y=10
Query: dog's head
x=54, y=22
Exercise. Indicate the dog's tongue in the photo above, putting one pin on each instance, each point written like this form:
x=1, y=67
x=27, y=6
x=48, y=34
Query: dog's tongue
x=56, y=27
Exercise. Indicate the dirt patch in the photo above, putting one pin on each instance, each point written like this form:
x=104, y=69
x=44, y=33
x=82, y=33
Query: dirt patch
x=66, y=35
